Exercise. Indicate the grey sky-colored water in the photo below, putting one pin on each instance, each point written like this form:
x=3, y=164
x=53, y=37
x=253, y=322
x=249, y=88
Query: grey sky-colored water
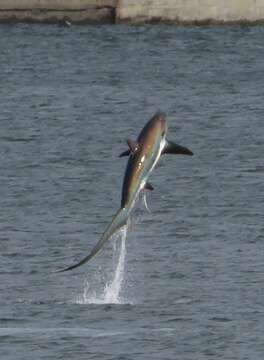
x=193, y=273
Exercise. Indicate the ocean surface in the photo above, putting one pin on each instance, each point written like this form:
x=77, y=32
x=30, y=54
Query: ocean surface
x=183, y=282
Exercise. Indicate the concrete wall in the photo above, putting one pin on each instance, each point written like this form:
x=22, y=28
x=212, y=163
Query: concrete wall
x=54, y=4
x=190, y=11
x=58, y=11
x=133, y=11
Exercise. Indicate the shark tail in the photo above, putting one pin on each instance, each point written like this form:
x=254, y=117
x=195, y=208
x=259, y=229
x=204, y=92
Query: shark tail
x=119, y=220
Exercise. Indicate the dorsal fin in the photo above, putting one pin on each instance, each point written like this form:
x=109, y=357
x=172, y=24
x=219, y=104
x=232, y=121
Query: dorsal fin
x=133, y=145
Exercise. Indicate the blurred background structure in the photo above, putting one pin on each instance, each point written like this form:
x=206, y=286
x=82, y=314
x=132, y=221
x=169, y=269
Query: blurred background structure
x=133, y=11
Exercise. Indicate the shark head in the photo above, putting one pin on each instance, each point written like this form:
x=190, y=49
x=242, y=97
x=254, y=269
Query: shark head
x=168, y=147
x=155, y=128
x=155, y=132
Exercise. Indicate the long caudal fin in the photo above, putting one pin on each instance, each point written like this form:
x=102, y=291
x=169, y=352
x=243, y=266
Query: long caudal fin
x=119, y=220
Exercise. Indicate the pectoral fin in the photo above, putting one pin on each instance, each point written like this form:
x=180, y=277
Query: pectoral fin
x=172, y=148
x=133, y=145
x=148, y=186
x=125, y=153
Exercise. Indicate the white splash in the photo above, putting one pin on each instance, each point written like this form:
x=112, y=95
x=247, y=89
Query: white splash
x=112, y=289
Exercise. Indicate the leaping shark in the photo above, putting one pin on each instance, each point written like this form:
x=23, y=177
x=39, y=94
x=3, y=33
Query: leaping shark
x=144, y=155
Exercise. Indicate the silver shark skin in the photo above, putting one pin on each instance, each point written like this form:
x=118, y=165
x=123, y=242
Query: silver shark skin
x=143, y=157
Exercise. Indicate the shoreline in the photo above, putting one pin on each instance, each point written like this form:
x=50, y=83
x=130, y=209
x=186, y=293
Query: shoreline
x=169, y=12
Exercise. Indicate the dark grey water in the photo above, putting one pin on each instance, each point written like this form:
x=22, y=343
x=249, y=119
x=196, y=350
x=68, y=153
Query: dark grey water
x=192, y=282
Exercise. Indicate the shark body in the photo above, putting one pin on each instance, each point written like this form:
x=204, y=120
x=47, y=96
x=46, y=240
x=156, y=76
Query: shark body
x=144, y=155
